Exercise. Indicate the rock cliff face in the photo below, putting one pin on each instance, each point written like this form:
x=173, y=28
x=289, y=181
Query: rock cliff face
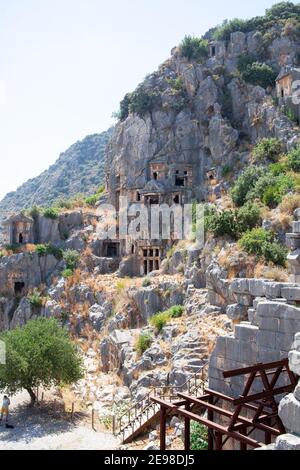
x=203, y=115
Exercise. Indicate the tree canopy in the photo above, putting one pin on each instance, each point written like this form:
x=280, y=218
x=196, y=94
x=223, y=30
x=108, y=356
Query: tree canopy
x=39, y=354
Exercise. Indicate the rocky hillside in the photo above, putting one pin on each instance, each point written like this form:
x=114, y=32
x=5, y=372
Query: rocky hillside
x=78, y=170
x=214, y=106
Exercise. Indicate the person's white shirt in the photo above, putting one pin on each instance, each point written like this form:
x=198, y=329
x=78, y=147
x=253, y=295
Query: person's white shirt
x=6, y=403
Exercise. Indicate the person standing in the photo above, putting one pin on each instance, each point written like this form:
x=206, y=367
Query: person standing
x=5, y=408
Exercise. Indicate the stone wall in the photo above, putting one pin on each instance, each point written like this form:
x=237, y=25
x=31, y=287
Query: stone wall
x=267, y=317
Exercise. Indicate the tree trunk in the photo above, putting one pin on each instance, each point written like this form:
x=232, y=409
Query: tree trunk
x=32, y=396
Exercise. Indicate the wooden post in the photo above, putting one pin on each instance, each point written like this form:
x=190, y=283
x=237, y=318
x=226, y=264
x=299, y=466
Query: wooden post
x=187, y=429
x=163, y=413
x=210, y=417
x=219, y=441
x=243, y=445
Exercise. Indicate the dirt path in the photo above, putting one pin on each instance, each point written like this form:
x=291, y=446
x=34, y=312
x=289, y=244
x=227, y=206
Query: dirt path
x=43, y=428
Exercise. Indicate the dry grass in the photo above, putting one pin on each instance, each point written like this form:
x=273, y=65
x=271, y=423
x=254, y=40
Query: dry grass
x=234, y=260
x=273, y=273
x=289, y=204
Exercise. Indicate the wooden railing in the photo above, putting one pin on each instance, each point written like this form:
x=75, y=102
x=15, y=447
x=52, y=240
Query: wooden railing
x=141, y=412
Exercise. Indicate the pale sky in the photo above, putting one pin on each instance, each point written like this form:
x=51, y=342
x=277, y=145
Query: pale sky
x=66, y=64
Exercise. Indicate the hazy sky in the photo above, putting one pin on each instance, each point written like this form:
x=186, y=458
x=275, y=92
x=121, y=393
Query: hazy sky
x=66, y=64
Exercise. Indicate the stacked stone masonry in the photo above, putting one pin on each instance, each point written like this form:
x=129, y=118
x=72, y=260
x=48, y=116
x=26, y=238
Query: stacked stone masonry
x=267, y=324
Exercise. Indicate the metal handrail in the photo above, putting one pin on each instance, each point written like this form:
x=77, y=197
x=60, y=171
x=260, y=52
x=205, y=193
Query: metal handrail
x=139, y=408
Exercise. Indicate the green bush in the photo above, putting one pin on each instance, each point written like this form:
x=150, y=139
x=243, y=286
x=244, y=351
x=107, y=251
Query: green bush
x=193, y=48
x=267, y=149
x=293, y=158
x=263, y=244
x=259, y=74
x=248, y=217
x=143, y=100
x=199, y=436
x=1, y=254
x=280, y=11
x=51, y=213
x=227, y=170
x=160, y=320
x=224, y=31
x=176, y=311
x=34, y=212
x=143, y=343
x=67, y=273
x=71, y=258
x=278, y=169
x=146, y=282
x=244, y=184
x=271, y=189
x=175, y=83
x=14, y=248
x=283, y=10
x=48, y=249
x=272, y=197
x=244, y=61
x=35, y=299
x=234, y=222
x=223, y=223
x=92, y=200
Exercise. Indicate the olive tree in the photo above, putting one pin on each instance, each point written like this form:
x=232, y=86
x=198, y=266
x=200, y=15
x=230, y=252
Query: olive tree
x=39, y=354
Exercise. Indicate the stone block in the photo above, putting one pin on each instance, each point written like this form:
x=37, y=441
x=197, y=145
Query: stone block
x=258, y=300
x=252, y=316
x=289, y=326
x=278, y=310
x=248, y=352
x=289, y=412
x=291, y=293
x=244, y=299
x=266, y=339
x=294, y=361
x=294, y=258
x=292, y=241
x=220, y=348
x=270, y=324
x=268, y=355
x=246, y=332
x=297, y=392
x=240, y=286
x=284, y=342
x=273, y=289
x=257, y=287
x=296, y=227
x=288, y=442
x=237, y=312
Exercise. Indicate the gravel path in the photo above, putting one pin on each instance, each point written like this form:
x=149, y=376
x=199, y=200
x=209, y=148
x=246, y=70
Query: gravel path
x=43, y=429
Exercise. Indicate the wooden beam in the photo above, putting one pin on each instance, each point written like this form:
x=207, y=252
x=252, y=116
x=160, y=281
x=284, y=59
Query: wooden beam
x=256, y=368
x=262, y=395
x=163, y=412
x=187, y=430
x=219, y=428
x=228, y=414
